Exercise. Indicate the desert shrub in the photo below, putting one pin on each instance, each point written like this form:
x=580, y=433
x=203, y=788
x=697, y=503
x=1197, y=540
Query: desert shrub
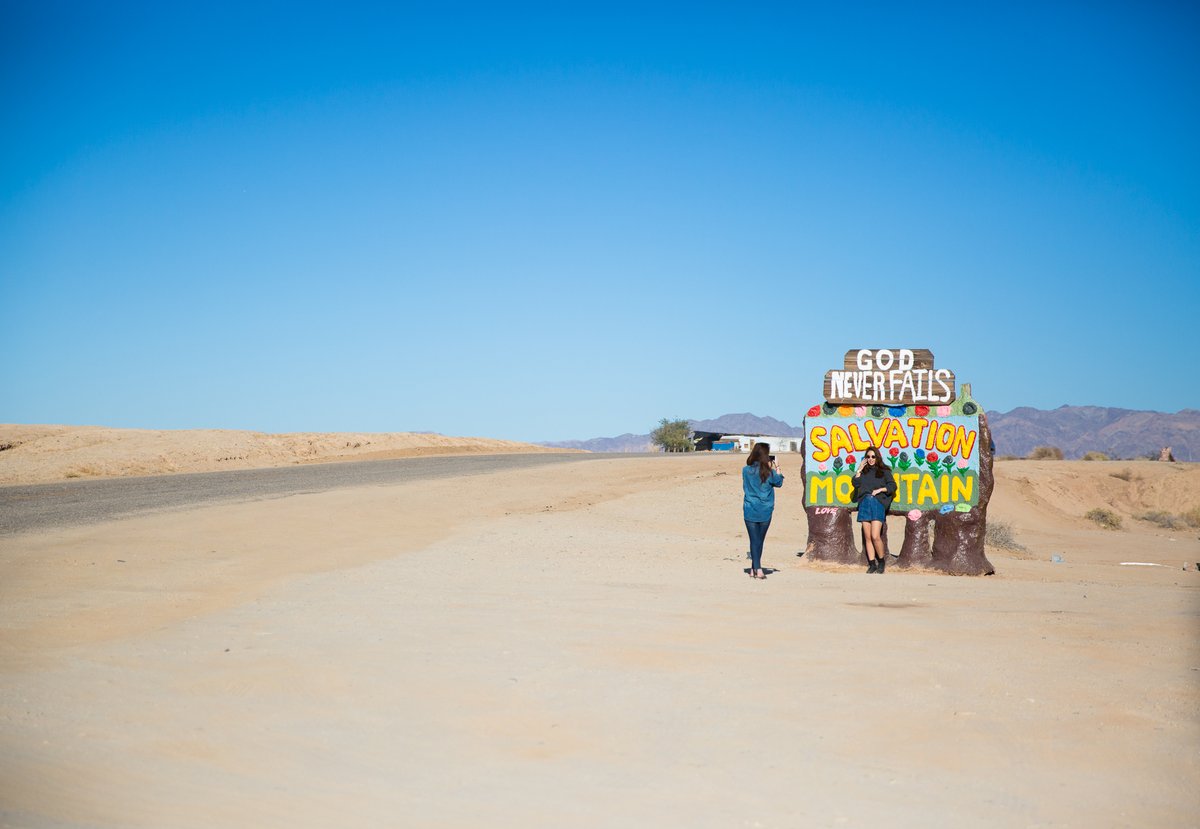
x=1163, y=519
x=1192, y=516
x=1096, y=456
x=1124, y=474
x=1046, y=453
x=1008, y=458
x=1000, y=534
x=1104, y=517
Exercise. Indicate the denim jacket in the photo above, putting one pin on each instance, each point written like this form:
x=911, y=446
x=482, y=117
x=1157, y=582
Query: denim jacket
x=759, y=501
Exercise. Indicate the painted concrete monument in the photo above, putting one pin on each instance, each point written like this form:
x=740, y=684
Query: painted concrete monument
x=936, y=443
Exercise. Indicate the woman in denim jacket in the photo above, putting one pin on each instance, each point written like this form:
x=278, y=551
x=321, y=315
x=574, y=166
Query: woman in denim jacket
x=760, y=477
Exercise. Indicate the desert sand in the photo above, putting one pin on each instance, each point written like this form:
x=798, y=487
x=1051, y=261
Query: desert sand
x=581, y=646
x=43, y=454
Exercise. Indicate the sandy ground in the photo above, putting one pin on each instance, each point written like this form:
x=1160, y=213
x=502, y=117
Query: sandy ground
x=43, y=454
x=582, y=647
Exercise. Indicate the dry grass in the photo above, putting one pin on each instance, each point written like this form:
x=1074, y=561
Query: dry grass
x=1046, y=453
x=1125, y=474
x=1106, y=518
x=1096, y=456
x=1192, y=516
x=1163, y=519
x=1000, y=534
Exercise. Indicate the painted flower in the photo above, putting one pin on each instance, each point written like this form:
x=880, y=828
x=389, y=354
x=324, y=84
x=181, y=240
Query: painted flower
x=969, y=408
x=921, y=411
x=877, y=411
x=860, y=411
x=914, y=514
x=837, y=464
x=943, y=411
x=850, y=460
x=919, y=455
x=962, y=507
x=931, y=457
x=845, y=411
x=815, y=411
x=962, y=467
x=893, y=451
x=823, y=467
x=945, y=508
x=828, y=408
x=897, y=411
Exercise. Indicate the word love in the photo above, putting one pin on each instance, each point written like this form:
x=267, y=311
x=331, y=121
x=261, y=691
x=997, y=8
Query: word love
x=898, y=377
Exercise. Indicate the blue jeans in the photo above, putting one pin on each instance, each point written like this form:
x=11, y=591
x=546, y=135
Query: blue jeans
x=758, y=534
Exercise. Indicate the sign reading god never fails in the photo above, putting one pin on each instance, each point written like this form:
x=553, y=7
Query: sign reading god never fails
x=899, y=376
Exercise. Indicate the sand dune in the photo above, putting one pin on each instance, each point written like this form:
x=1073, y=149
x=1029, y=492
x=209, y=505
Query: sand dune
x=582, y=647
x=42, y=454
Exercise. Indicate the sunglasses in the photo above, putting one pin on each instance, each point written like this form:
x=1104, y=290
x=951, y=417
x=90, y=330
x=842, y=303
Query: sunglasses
x=872, y=457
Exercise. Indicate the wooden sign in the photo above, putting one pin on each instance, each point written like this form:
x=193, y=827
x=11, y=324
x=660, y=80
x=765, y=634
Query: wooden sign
x=889, y=377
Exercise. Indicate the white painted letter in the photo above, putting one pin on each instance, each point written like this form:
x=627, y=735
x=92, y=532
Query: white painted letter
x=940, y=376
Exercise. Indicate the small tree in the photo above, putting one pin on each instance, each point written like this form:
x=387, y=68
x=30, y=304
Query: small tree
x=673, y=436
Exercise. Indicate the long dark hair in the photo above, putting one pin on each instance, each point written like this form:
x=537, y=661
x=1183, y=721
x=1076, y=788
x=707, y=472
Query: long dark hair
x=761, y=455
x=878, y=461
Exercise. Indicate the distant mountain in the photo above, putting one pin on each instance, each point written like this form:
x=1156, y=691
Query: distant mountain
x=621, y=443
x=747, y=424
x=1119, y=433
x=1077, y=430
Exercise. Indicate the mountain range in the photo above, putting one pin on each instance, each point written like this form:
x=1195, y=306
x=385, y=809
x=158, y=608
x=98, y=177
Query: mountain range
x=1076, y=430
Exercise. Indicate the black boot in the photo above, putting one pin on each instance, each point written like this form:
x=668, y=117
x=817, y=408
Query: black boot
x=882, y=558
x=871, y=562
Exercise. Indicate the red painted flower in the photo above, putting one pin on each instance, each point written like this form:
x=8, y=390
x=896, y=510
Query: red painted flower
x=815, y=411
x=922, y=411
x=893, y=451
x=931, y=457
x=849, y=459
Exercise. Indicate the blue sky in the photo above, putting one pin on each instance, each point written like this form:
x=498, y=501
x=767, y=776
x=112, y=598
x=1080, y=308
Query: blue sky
x=541, y=223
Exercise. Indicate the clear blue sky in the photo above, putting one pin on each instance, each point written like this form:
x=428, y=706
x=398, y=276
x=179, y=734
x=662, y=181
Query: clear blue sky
x=541, y=222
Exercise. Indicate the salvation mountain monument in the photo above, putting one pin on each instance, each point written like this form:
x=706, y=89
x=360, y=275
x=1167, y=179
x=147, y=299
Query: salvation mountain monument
x=936, y=443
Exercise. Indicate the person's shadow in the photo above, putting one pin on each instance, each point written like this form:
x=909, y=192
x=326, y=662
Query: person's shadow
x=767, y=571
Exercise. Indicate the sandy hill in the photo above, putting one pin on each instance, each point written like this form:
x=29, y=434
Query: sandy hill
x=40, y=454
x=1047, y=504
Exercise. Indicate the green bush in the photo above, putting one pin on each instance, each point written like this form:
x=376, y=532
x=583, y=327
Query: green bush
x=1104, y=517
x=673, y=436
x=1046, y=453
